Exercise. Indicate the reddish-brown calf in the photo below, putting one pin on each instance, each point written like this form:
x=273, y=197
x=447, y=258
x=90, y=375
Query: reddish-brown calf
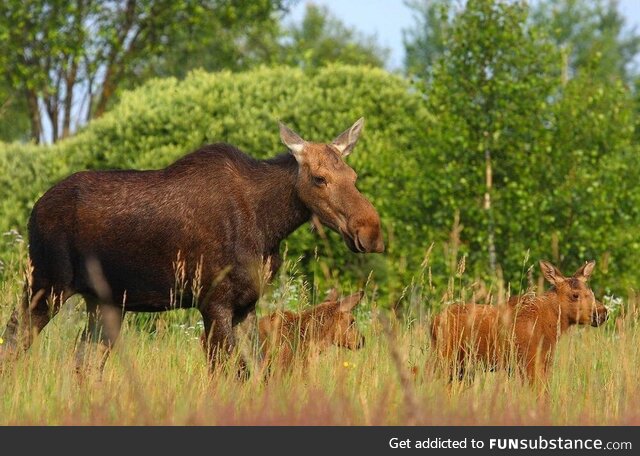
x=283, y=334
x=524, y=332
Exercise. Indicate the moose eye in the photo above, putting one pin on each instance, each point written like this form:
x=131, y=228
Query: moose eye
x=319, y=181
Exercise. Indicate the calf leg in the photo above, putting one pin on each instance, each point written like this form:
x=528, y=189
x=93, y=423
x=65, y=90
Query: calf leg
x=101, y=333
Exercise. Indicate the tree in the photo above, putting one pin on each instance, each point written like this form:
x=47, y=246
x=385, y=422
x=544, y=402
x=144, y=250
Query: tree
x=425, y=41
x=530, y=160
x=259, y=37
x=587, y=31
x=70, y=56
x=236, y=39
x=489, y=90
x=321, y=39
x=592, y=35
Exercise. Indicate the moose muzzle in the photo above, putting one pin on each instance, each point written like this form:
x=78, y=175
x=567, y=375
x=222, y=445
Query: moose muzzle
x=599, y=315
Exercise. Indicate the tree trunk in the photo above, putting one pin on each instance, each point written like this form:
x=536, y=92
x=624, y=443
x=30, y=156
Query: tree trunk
x=34, y=116
x=488, y=208
x=108, y=88
x=52, y=110
x=117, y=56
x=70, y=81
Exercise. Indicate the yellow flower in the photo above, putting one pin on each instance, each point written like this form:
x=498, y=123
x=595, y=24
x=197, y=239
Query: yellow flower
x=1, y=341
x=346, y=364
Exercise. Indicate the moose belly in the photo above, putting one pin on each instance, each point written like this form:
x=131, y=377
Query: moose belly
x=154, y=270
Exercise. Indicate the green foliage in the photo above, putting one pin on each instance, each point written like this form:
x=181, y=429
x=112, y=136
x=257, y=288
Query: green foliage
x=424, y=42
x=321, y=39
x=59, y=53
x=233, y=36
x=14, y=119
x=559, y=152
x=592, y=34
x=65, y=62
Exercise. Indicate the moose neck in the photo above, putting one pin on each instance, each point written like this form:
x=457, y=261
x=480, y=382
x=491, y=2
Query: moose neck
x=279, y=211
x=560, y=317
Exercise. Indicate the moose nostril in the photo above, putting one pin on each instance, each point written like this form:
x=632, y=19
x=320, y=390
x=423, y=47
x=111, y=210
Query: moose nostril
x=370, y=239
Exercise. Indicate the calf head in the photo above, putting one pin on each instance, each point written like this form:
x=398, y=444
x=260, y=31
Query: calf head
x=575, y=297
x=343, y=331
x=327, y=186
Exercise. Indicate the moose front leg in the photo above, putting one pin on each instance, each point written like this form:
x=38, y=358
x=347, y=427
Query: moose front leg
x=218, y=340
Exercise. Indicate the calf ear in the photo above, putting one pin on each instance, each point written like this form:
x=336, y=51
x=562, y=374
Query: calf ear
x=347, y=304
x=270, y=324
x=585, y=271
x=332, y=295
x=551, y=273
x=293, y=141
x=347, y=140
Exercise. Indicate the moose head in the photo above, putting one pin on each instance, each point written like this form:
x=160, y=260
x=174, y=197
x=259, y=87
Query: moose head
x=327, y=186
x=574, y=296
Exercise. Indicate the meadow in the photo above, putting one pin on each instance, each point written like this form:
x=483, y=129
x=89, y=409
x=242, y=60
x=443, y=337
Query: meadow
x=157, y=373
x=480, y=159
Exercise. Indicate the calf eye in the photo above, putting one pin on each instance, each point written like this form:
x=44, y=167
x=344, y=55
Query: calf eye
x=575, y=296
x=319, y=181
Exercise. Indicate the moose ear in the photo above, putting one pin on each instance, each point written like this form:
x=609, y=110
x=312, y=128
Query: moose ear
x=585, y=271
x=347, y=304
x=348, y=139
x=551, y=273
x=332, y=295
x=293, y=141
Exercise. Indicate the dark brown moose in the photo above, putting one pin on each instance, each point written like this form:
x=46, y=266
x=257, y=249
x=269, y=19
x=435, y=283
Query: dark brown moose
x=203, y=233
x=525, y=331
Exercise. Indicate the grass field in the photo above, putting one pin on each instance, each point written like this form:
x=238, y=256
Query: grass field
x=157, y=375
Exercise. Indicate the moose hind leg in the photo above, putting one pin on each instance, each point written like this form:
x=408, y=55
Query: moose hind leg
x=37, y=307
x=98, y=338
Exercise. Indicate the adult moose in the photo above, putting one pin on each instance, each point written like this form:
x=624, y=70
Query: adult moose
x=204, y=228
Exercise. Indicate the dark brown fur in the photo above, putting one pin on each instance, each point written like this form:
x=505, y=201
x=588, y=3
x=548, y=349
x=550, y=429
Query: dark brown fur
x=525, y=330
x=204, y=232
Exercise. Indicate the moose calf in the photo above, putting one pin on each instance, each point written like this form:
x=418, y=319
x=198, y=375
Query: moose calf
x=283, y=334
x=525, y=331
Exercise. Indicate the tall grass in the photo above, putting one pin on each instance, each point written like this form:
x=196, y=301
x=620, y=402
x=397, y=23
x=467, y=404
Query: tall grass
x=157, y=373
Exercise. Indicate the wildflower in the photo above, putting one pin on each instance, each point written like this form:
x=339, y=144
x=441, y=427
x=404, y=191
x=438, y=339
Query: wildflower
x=1, y=341
x=347, y=365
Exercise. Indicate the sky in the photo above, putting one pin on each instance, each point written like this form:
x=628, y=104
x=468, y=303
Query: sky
x=386, y=18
